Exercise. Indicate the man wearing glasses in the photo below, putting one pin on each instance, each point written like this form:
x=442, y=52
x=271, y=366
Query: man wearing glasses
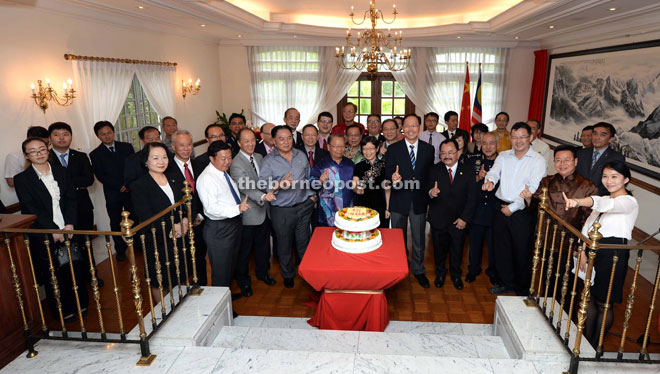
x=266, y=145
x=212, y=133
x=324, y=125
x=430, y=135
x=374, y=128
x=517, y=169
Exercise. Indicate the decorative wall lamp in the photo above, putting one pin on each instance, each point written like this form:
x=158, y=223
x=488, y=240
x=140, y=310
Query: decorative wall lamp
x=43, y=94
x=190, y=88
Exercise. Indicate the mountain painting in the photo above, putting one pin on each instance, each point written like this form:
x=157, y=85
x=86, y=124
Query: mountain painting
x=620, y=87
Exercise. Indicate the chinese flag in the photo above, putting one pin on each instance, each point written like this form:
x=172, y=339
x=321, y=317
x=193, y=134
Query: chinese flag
x=466, y=113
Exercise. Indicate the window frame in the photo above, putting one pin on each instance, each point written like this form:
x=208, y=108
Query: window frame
x=142, y=116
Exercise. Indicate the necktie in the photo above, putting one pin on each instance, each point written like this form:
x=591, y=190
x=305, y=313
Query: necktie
x=253, y=165
x=595, y=158
x=324, y=145
x=189, y=177
x=231, y=188
x=311, y=159
x=451, y=134
x=112, y=148
x=451, y=178
x=63, y=158
x=431, y=138
x=412, y=156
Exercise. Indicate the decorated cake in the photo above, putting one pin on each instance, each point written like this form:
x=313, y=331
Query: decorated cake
x=357, y=230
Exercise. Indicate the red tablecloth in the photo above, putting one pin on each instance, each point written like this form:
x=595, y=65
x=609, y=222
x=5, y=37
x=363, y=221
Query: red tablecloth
x=326, y=268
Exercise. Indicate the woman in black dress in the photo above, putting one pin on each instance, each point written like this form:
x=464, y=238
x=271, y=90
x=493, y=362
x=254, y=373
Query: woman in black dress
x=46, y=191
x=368, y=178
x=617, y=214
x=152, y=193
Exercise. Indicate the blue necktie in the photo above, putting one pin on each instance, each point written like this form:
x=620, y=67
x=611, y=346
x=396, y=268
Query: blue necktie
x=412, y=156
x=595, y=158
x=233, y=191
x=63, y=158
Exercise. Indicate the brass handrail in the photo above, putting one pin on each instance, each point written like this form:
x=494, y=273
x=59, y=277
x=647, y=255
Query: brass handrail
x=160, y=214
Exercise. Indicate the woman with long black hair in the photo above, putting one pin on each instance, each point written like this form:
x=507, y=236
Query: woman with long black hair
x=616, y=214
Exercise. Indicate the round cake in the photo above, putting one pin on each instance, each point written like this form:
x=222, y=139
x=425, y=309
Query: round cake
x=356, y=230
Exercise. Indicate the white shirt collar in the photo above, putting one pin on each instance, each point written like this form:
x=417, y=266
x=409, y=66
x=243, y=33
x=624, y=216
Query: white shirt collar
x=111, y=145
x=408, y=144
x=246, y=155
x=59, y=155
x=42, y=175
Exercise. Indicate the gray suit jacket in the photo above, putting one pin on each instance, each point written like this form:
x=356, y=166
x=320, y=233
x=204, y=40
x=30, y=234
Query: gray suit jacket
x=246, y=179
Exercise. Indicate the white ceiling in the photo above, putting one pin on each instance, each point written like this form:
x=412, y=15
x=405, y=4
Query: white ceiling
x=426, y=22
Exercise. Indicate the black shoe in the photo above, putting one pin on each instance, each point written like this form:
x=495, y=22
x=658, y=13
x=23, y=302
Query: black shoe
x=439, y=281
x=494, y=281
x=246, y=291
x=288, y=282
x=500, y=289
x=423, y=280
x=470, y=278
x=268, y=280
x=121, y=256
x=236, y=296
x=234, y=313
x=458, y=283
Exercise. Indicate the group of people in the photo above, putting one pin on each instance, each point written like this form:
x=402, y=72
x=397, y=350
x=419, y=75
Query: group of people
x=248, y=192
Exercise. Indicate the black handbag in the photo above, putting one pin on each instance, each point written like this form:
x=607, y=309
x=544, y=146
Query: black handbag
x=60, y=255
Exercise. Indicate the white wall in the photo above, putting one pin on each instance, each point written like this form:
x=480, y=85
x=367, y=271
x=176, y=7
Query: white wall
x=32, y=46
x=235, y=78
x=520, y=71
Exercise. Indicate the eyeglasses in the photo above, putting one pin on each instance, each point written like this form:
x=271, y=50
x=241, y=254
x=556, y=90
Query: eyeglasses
x=373, y=121
x=36, y=152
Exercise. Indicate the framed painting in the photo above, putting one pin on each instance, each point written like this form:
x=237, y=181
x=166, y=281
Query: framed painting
x=619, y=85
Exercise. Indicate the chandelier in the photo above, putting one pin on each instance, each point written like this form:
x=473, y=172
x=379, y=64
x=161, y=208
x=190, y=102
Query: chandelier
x=373, y=47
x=44, y=94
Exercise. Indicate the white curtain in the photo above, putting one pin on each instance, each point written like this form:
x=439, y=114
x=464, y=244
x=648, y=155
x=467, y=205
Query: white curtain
x=159, y=83
x=101, y=92
x=306, y=78
x=435, y=80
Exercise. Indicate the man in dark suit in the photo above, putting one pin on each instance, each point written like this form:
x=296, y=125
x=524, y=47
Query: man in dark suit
x=212, y=133
x=292, y=119
x=182, y=168
x=591, y=160
x=134, y=167
x=266, y=145
x=452, y=188
x=310, y=145
x=236, y=124
x=108, y=160
x=451, y=121
x=407, y=166
x=80, y=171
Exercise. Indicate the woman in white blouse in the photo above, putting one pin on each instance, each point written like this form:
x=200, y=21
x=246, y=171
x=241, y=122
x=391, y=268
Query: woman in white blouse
x=46, y=191
x=617, y=214
x=152, y=193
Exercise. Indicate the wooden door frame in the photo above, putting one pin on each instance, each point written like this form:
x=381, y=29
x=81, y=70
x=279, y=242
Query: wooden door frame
x=375, y=94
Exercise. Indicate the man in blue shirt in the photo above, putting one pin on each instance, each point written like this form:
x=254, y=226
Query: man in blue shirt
x=515, y=169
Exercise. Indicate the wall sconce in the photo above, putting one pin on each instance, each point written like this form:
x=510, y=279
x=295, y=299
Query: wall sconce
x=190, y=88
x=43, y=95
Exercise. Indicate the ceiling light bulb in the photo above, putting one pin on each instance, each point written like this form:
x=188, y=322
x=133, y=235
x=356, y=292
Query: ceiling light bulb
x=295, y=36
x=458, y=37
x=239, y=35
x=551, y=27
x=140, y=7
x=517, y=38
x=203, y=25
x=612, y=9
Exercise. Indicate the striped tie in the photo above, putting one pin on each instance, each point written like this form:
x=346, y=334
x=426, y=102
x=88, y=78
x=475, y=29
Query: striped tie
x=412, y=156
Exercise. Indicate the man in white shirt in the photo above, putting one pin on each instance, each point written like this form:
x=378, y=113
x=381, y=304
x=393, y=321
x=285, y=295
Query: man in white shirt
x=245, y=169
x=516, y=169
x=222, y=208
x=539, y=146
x=430, y=135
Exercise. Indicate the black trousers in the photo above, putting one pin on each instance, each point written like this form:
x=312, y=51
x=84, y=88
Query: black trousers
x=223, y=238
x=448, y=240
x=291, y=224
x=475, y=254
x=200, y=254
x=255, y=238
x=115, y=204
x=513, y=250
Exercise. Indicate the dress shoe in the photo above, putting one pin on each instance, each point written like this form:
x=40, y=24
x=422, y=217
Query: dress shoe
x=268, y=280
x=121, y=256
x=288, y=282
x=236, y=296
x=470, y=278
x=493, y=280
x=439, y=281
x=458, y=283
x=246, y=291
x=423, y=280
x=500, y=289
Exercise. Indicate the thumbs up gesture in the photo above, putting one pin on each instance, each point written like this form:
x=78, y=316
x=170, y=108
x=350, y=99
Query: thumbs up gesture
x=396, y=177
x=435, y=191
x=243, y=206
x=526, y=193
x=482, y=173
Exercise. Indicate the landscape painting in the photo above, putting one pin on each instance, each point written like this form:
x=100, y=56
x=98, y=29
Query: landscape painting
x=619, y=85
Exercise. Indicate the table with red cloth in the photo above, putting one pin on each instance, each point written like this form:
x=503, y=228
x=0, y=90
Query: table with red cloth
x=353, y=284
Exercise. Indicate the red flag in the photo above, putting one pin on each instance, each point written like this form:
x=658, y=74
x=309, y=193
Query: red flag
x=465, y=116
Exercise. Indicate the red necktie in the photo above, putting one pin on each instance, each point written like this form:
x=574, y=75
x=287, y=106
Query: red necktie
x=324, y=145
x=311, y=159
x=451, y=179
x=189, y=176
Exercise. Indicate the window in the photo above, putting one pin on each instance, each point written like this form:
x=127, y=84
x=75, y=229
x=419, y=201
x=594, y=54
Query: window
x=136, y=114
x=380, y=94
